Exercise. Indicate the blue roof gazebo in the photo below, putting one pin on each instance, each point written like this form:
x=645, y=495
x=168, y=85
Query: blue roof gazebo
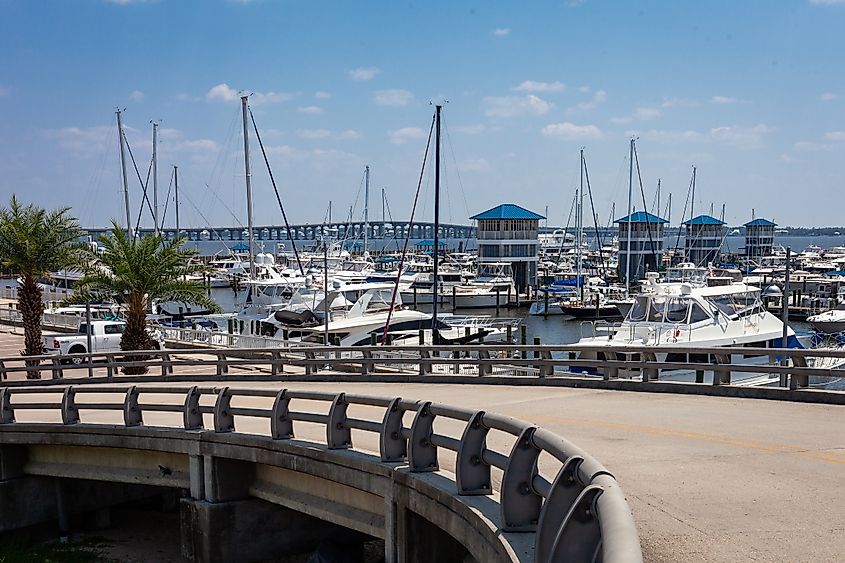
x=641, y=217
x=760, y=223
x=704, y=220
x=429, y=244
x=507, y=211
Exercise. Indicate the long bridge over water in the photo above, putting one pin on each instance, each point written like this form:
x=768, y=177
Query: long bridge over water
x=355, y=230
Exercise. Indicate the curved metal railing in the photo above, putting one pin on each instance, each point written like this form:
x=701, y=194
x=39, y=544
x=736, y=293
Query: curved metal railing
x=577, y=511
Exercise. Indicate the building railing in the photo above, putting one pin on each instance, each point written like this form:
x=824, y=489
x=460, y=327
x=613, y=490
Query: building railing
x=577, y=512
x=597, y=366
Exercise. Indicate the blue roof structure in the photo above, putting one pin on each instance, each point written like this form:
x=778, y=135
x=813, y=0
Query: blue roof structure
x=704, y=220
x=641, y=217
x=240, y=246
x=760, y=223
x=507, y=211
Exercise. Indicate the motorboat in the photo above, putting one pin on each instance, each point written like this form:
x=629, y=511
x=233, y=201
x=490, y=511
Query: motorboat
x=829, y=322
x=668, y=316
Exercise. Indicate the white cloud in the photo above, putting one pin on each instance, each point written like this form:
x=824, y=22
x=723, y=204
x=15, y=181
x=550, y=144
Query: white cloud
x=642, y=113
x=513, y=106
x=326, y=134
x=835, y=136
x=663, y=135
x=136, y=95
x=87, y=142
x=321, y=95
x=827, y=2
x=647, y=113
x=501, y=31
x=743, y=137
x=474, y=165
x=225, y=93
x=724, y=100
x=405, y=134
x=828, y=97
x=533, y=86
x=584, y=89
x=598, y=98
x=185, y=97
x=393, y=97
x=312, y=110
x=567, y=130
x=810, y=146
x=4, y=90
x=364, y=73
x=474, y=129
x=679, y=102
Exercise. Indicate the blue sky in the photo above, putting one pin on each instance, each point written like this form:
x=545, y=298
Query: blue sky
x=752, y=93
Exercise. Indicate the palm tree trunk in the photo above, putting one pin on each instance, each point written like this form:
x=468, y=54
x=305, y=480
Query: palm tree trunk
x=135, y=336
x=31, y=308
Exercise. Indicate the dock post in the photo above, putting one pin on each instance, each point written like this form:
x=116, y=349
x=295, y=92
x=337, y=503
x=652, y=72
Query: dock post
x=422, y=337
x=498, y=291
x=545, y=304
x=415, y=296
x=699, y=376
x=454, y=298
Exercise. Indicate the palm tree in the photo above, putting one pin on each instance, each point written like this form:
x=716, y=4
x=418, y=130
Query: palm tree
x=33, y=243
x=136, y=272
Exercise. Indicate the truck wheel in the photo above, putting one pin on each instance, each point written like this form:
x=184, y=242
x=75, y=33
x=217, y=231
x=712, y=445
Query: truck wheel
x=77, y=350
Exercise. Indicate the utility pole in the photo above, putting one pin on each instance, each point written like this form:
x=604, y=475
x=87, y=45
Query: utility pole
x=155, y=177
x=251, y=236
x=125, y=181
x=435, y=287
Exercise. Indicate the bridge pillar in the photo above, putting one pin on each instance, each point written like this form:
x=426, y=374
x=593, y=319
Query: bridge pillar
x=223, y=523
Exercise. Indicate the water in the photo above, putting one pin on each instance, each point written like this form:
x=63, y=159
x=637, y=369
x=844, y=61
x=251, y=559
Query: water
x=733, y=244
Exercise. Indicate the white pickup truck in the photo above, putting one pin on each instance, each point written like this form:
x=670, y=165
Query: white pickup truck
x=105, y=337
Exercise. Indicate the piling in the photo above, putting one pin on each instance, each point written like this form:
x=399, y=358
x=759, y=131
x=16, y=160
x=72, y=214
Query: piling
x=422, y=337
x=498, y=291
x=536, y=343
x=454, y=298
x=546, y=305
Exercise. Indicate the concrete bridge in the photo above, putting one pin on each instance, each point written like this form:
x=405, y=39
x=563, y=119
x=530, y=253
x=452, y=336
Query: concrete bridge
x=708, y=478
x=236, y=475
x=353, y=230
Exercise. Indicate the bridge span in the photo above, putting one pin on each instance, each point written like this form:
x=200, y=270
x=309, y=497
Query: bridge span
x=708, y=478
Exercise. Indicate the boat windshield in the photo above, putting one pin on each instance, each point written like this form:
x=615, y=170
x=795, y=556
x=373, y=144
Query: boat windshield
x=736, y=304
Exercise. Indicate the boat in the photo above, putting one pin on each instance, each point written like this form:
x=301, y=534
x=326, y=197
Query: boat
x=829, y=322
x=492, y=287
x=666, y=316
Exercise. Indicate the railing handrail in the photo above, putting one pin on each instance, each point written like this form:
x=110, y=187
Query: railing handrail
x=560, y=513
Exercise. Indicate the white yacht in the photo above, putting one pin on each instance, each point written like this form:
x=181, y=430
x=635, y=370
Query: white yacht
x=492, y=287
x=672, y=315
x=829, y=322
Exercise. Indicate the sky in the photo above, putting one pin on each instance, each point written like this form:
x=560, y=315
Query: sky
x=752, y=93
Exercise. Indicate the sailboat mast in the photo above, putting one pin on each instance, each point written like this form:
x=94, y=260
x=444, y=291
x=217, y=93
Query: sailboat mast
x=123, y=168
x=155, y=178
x=366, y=207
x=251, y=236
x=435, y=289
x=176, y=191
x=692, y=199
x=579, y=228
x=630, y=224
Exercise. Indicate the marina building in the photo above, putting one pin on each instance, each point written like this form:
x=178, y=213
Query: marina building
x=703, y=236
x=508, y=233
x=759, y=238
x=641, y=236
